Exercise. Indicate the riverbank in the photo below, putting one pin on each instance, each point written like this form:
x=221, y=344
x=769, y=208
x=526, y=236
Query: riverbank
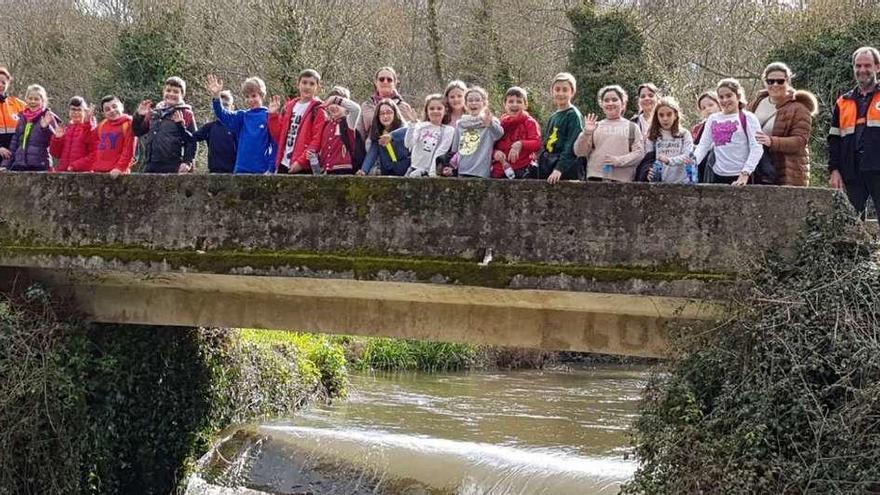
x=106, y=409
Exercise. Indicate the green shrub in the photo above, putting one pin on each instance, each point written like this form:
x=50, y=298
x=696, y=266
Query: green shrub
x=608, y=48
x=125, y=409
x=783, y=397
x=396, y=354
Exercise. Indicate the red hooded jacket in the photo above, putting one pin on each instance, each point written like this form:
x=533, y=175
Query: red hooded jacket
x=522, y=127
x=74, y=149
x=308, y=137
x=114, y=145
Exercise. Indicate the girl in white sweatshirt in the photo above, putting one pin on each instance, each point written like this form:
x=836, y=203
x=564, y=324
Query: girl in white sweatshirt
x=429, y=139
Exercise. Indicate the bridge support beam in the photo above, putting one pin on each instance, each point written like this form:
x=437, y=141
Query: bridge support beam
x=635, y=325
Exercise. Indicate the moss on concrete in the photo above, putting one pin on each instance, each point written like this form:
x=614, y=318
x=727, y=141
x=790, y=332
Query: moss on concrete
x=364, y=265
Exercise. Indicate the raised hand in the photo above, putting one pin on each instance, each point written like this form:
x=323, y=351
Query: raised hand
x=384, y=139
x=47, y=119
x=214, y=85
x=60, y=131
x=274, y=104
x=590, y=122
x=145, y=107
x=408, y=113
x=486, y=117
x=177, y=116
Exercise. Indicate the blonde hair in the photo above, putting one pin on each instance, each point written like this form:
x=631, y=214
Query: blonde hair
x=253, y=84
x=565, y=77
x=477, y=89
x=39, y=90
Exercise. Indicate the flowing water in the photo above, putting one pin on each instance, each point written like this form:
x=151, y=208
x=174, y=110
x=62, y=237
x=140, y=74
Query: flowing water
x=521, y=432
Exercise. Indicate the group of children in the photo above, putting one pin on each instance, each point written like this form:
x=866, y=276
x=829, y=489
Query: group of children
x=457, y=135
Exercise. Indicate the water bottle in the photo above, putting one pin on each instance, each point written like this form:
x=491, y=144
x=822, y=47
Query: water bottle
x=607, y=169
x=691, y=173
x=658, y=171
x=315, y=164
x=508, y=171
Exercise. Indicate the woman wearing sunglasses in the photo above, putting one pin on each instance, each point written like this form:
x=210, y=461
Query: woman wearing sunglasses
x=386, y=88
x=786, y=117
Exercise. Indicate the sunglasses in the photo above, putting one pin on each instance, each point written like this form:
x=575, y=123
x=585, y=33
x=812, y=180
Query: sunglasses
x=771, y=82
x=385, y=79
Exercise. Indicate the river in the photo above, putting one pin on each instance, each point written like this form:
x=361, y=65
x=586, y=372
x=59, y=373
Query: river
x=503, y=433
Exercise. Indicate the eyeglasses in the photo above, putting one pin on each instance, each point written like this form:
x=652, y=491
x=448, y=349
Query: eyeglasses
x=771, y=82
x=385, y=79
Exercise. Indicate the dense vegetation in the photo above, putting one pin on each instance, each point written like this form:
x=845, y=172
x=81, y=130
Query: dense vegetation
x=784, y=396
x=124, y=409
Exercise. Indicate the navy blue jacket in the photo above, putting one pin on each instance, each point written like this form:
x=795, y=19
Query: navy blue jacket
x=390, y=165
x=222, y=146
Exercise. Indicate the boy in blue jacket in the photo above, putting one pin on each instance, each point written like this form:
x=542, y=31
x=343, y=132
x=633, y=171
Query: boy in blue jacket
x=222, y=142
x=256, y=151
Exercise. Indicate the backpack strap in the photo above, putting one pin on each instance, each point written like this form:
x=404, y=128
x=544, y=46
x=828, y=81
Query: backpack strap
x=632, y=134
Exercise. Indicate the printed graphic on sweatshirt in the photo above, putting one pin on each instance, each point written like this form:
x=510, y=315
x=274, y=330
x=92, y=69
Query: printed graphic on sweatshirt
x=551, y=141
x=109, y=141
x=722, y=132
x=469, y=142
x=429, y=138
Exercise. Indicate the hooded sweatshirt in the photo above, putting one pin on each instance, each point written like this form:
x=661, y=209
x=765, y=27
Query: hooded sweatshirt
x=114, y=145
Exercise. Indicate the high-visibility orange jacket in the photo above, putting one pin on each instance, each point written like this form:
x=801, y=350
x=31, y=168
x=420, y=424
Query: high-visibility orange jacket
x=10, y=107
x=842, y=145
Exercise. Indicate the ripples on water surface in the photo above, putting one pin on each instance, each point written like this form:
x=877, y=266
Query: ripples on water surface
x=522, y=432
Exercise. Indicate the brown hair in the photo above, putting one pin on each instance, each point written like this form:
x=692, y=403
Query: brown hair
x=312, y=73
x=736, y=87
x=377, y=124
x=778, y=67
x=455, y=84
x=429, y=99
x=519, y=93
x=654, y=131
x=78, y=102
x=565, y=77
x=707, y=94
x=176, y=82
x=621, y=93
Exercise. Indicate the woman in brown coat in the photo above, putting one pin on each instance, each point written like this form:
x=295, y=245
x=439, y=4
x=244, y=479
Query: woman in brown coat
x=786, y=117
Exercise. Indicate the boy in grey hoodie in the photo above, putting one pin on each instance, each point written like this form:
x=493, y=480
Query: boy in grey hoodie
x=475, y=136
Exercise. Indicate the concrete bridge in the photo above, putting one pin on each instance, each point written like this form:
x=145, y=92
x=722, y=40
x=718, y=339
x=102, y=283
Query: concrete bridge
x=576, y=266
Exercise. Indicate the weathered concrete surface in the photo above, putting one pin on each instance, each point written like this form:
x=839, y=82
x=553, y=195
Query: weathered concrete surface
x=679, y=242
x=576, y=321
x=682, y=228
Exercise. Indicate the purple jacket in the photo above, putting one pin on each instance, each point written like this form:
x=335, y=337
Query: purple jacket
x=30, y=153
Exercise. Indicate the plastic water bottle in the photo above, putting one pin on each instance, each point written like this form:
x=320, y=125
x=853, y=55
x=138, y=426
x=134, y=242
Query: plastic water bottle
x=691, y=173
x=691, y=169
x=508, y=171
x=607, y=169
x=315, y=164
x=658, y=171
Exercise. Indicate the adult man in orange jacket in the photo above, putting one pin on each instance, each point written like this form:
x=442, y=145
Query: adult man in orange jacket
x=10, y=107
x=854, y=136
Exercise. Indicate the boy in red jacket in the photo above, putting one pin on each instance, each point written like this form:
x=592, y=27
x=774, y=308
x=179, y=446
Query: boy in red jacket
x=297, y=129
x=72, y=144
x=115, y=142
x=515, y=152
